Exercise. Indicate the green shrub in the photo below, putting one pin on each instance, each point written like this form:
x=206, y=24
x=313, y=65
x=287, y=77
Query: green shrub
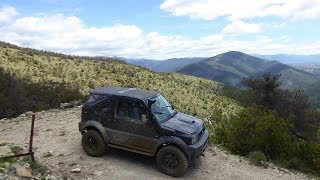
x=292, y=104
x=257, y=158
x=316, y=164
x=259, y=129
x=316, y=157
x=218, y=128
x=305, y=150
x=293, y=163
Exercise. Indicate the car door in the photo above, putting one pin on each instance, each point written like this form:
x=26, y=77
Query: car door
x=134, y=134
x=105, y=111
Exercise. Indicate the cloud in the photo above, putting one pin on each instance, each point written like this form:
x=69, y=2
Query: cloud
x=312, y=48
x=70, y=35
x=240, y=27
x=244, y=9
x=7, y=13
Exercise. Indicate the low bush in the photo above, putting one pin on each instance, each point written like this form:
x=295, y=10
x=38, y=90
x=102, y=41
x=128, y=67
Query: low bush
x=257, y=158
x=261, y=134
x=260, y=129
x=293, y=163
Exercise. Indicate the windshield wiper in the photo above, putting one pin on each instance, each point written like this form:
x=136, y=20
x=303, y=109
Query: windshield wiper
x=159, y=113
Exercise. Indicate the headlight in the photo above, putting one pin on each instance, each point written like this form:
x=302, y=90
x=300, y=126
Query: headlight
x=194, y=138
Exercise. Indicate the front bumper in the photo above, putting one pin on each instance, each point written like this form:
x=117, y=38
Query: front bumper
x=197, y=149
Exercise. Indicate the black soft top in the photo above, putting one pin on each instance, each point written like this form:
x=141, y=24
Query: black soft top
x=128, y=92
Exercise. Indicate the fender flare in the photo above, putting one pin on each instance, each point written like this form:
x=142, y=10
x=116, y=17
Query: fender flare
x=172, y=140
x=96, y=126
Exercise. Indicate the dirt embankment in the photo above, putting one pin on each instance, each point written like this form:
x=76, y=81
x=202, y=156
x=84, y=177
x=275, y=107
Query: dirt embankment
x=58, y=146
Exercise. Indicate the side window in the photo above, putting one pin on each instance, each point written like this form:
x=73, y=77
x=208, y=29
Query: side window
x=129, y=110
x=105, y=107
x=94, y=98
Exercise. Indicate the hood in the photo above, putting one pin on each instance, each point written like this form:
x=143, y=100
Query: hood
x=184, y=123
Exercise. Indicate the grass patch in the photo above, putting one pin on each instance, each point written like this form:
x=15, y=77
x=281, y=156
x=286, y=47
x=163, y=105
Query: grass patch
x=3, y=161
x=36, y=166
x=16, y=149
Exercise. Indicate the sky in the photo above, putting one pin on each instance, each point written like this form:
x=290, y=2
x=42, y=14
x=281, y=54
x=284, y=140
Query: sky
x=162, y=29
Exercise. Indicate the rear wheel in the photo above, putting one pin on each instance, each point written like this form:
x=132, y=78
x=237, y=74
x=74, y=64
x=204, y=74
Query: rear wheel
x=172, y=161
x=93, y=143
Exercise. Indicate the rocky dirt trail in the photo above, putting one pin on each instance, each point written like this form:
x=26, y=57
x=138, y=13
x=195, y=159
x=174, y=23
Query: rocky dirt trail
x=58, y=146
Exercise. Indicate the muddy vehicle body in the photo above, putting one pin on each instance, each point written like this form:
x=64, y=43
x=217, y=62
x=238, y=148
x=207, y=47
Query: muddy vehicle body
x=144, y=122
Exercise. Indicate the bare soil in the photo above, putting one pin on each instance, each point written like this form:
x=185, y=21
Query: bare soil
x=57, y=144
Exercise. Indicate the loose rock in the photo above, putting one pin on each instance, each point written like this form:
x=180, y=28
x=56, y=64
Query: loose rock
x=98, y=173
x=76, y=170
x=22, y=115
x=66, y=105
x=62, y=133
x=76, y=103
x=3, y=143
x=29, y=113
x=48, y=154
x=22, y=171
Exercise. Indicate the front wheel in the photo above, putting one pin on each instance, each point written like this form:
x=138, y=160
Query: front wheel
x=172, y=161
x=93, y=143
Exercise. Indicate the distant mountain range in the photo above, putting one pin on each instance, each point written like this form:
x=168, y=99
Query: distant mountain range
x=176, y=63
x=230, y=68
x=291, y=58
x=164, y=66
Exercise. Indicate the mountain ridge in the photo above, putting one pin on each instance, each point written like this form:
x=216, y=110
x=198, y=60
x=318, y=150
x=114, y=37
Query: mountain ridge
x=163, y=65
x=292, y=58
x=232, y=66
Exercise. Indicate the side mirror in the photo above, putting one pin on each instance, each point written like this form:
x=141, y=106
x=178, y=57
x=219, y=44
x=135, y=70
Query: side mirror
x=144, y=119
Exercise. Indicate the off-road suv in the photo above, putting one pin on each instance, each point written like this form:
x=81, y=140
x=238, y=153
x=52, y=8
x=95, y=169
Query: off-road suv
x=144, y=122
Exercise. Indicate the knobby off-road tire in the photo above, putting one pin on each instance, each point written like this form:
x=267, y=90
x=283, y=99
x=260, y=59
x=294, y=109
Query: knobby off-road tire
x=93, y=143
x=172, y=161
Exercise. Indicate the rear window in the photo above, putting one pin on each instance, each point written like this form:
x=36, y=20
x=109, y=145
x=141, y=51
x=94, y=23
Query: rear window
x=94, y=98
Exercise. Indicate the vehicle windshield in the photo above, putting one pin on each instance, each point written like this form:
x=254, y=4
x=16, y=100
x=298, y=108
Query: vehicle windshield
x=161, y=109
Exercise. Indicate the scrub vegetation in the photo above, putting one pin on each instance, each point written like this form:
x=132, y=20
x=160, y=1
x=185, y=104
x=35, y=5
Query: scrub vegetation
x=275, y=123
x=37, y=80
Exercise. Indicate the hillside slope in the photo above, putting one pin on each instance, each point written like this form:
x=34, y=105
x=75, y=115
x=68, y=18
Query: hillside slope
x=231, y=67
x=164, y=66
x=57, y=144
x=36, y=80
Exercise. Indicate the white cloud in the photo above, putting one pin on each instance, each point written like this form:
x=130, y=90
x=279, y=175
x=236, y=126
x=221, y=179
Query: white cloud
x=312, y=48
x=240, y=27
x=7, y=13
x=244, y=9
x=70, y=35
